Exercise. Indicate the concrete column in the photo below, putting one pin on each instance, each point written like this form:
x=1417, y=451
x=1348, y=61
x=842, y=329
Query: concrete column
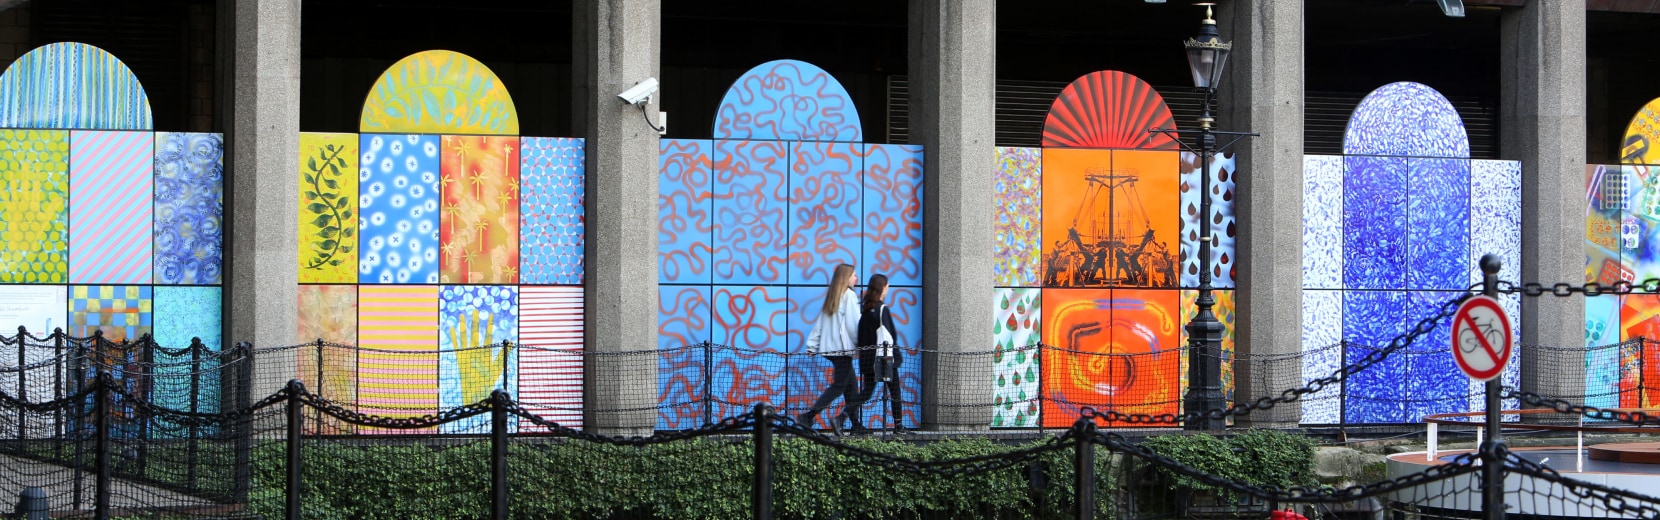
x=1263, y=92
x=953, y=73
x=616, y=45
x=262, y=142
x=1542, y=114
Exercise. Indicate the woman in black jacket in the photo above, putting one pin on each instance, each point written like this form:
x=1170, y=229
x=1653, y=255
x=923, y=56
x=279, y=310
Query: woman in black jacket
x=874, y=313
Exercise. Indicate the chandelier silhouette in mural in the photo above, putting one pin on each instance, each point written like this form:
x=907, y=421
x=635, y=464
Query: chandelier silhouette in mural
x=1111, y=240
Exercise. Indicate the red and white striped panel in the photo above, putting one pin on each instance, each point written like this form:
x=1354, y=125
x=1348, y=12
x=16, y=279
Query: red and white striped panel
x=550, y=364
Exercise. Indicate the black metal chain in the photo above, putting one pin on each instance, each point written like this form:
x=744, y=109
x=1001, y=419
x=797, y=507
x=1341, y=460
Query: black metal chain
x=1562, y=289
x=725, y=426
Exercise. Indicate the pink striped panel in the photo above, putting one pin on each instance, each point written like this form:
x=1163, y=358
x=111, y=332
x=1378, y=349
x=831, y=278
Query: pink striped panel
x=401, y=318
x=111, y=216
x=550, y=365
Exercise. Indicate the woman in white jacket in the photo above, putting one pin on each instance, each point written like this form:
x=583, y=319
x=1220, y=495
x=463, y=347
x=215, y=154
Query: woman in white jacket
x=834, y=336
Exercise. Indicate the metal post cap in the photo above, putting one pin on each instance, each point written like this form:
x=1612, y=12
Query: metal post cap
x=1490, y=263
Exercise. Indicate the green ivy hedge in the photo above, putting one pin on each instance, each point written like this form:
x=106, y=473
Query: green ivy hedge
x=710, y=478
x=699, y=479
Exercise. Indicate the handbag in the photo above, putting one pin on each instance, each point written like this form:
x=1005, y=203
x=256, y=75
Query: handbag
x=884, y=351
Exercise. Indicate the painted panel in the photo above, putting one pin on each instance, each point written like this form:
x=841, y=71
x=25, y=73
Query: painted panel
x=479, y=235
x=72, y=85
x=1640, y=317
x=1101, y=234
x=1603, y=358
x=683, y=322
x=550, y=359
x=554, y=231
x=825, y=211
x=1606, y=193
x=1640, y=222
x=121, y=312
x=437, y=92
x=1496, y=217
x=1641, y=144
x=1227, y=313
x=1370, y=319
x=34, y=206
x=39, y=308
x=329, y=313
x=478, y=353
x=787, y=100
x=751, y=200
x=1109, y=109
x=1429, y=364
x=1077, y=323
x=400, y=214
x=1018, y=245
x=1224, y=232
x=190, y=206
x=1322, y=354
x=1071, y=223
x=328, y=208
x=1438, y=224
x=182, y=313
x=905, y=304
x=751, y=322
x=893, y=213
x=1374, y=222
x=1406, y=119
x=113, y=185
x=685, y=227
x=1322, y=222
x=1016, y=336
x=398, y=370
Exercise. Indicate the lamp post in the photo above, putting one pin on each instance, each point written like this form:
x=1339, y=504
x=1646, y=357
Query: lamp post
x=1207, y=57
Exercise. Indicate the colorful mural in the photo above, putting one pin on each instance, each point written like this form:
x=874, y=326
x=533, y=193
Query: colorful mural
x=1016, y=364
x=328, y=208
x=752, y=223
x=1641, y=144
x=439, y=92
x=1018, y=244
x=455, y=242
x=72, y=85
x=1393, y=230
x=1622, y=243
x=93, y=197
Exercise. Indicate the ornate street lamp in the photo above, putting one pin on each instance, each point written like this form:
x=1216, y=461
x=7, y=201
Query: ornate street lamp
x=1207, y=58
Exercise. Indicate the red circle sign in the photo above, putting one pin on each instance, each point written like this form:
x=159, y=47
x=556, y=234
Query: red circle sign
x=1481, y=338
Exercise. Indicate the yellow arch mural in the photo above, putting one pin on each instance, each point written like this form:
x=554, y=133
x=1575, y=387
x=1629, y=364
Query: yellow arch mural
x=439, y=92
x=1642, y=137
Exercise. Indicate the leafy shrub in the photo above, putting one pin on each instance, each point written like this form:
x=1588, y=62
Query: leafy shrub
x=697, y=479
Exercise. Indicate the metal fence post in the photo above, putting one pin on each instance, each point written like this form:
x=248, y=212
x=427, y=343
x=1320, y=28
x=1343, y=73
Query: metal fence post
x=498, y=454
x=318, y=422
x=58, y=416
x=761, y=491
x=237, y=395
x=296, y=419
x=708, y=386
x=79, y=423
x=1083, y=459
x=194, y=431
x=22, y=373
x=101, y=420
x=1491, y=460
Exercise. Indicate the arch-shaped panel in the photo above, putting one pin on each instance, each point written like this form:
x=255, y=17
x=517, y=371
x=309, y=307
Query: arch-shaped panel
x=439, y=92
x=1109, y=109
x=1409, y=119
x=75, y=86
x=1641, y=144
x=788, y=100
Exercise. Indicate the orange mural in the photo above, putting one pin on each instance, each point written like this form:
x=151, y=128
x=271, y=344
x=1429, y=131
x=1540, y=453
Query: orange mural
x=1110, y=218
x=1115, y=349
x=479, y=238
x=1639, y=317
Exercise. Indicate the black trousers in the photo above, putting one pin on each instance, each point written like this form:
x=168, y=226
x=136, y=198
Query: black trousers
x=842, y=383
x=867, y=368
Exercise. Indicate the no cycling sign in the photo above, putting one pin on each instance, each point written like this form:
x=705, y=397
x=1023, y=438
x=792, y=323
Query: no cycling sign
x=1481, y=338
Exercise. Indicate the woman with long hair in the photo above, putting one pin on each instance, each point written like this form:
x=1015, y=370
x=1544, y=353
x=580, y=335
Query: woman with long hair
x=833, y=336
x=873, y=315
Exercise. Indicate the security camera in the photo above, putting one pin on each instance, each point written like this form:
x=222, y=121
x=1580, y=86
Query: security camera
x=641, y=92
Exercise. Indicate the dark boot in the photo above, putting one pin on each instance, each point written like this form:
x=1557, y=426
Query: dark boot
x=857, y=424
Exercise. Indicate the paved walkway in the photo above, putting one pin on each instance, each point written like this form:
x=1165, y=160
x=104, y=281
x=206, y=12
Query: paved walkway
x=59, y=483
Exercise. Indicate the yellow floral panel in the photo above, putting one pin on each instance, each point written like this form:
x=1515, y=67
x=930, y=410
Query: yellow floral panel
x=439, y=92
x=478, y=232
x=1642, y=137
x=1226, y=312
x=328, y=208
x=34, y=206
